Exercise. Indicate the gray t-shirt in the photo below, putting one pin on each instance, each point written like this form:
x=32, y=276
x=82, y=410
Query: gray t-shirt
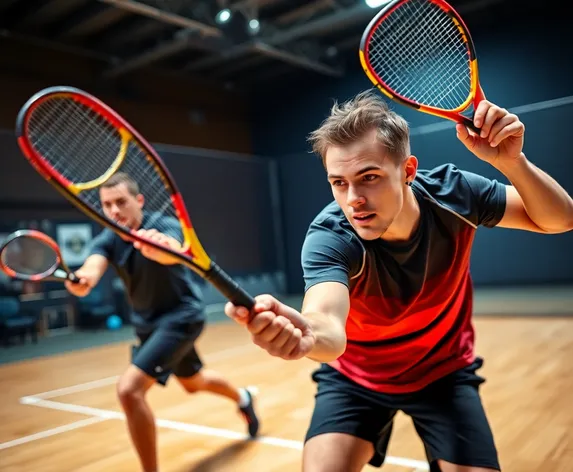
x=159, y=294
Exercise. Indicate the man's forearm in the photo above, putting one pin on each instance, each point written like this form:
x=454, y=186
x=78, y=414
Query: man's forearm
x=330, y=337
x=545, y=201
x=94, y=267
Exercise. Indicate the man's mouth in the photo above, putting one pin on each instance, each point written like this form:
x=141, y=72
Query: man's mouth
x=363, y=218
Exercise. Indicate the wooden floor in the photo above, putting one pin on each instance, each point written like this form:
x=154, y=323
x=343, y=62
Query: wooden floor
x=61, y=413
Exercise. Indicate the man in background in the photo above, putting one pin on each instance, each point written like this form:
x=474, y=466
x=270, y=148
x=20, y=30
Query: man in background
x=168, y=314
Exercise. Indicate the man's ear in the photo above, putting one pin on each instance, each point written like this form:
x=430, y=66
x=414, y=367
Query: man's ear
x=410, y=168
x=140, y=199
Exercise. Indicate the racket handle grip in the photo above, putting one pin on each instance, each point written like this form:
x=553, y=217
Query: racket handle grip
x=470, y=124
x=73, y=278
x=228, y=287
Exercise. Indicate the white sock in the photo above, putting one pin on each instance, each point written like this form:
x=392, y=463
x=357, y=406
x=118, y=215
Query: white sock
x=244, y=398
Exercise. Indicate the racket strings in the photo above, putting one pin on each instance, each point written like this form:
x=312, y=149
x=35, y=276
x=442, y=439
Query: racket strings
x=53, y=131
x=417, y=61
x=28, y=256
x=419, y=52
x=82, y=145
x=417, y=57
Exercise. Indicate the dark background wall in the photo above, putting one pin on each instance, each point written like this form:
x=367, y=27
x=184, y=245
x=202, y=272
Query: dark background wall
x=164, y=108
x=519, y=65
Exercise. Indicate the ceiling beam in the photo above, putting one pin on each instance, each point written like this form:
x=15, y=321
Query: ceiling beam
x=223, y=51
x=76, y=19
x=331, y=21
x=172, y=18
x=297, y=60
x=303, y=12
x=128, y=31
x=252, y=4
x=183, y=42
x=58, y=46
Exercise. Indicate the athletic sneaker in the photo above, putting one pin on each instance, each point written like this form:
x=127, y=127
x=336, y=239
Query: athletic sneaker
x=250, y=416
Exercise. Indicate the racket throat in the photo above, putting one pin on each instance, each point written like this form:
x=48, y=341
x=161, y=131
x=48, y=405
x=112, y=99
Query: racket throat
x=228, y=287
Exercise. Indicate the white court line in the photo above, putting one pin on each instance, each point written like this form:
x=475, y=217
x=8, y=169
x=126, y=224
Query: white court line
x=203, y=430
x=76, y=388
x=51, y=432
x=217, y=356
x=98, y=415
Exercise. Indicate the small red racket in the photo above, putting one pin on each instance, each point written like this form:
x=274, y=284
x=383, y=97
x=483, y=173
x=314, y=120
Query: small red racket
x=32, y=255
x=420, y=53
x=77, y=142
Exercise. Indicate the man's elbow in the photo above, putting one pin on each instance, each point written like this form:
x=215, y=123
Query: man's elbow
x=569, y=222
x=563, y=227
x=568, y=219
x=329, y=351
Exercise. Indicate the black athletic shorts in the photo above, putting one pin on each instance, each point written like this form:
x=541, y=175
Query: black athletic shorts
x=165, y=351
x=448, y=416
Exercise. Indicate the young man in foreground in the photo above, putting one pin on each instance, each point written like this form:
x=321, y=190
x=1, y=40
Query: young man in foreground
x=388, y=294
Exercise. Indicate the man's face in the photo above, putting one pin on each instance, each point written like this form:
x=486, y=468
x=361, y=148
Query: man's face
x=121, y=206
x=367, y=184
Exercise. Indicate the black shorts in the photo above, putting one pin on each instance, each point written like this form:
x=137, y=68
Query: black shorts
x=165, y=351
x=448, y=416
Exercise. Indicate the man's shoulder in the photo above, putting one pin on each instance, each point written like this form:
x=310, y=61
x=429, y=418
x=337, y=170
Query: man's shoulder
x=331, y=232
x=439, y=175
x=443, y=182
x=331, y=218
x=106, y=236
x=157, y=220
x=478, y=199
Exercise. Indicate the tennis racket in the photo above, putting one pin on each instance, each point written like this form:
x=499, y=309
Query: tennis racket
x=77, y=142
x=420, y=53
x=32, y=255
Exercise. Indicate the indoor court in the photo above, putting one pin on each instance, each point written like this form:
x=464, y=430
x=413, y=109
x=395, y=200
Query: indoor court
x=208, y=107
x=60, y=413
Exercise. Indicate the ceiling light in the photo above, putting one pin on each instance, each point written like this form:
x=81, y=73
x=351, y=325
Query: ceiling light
x=223, y=16
x=376, y=3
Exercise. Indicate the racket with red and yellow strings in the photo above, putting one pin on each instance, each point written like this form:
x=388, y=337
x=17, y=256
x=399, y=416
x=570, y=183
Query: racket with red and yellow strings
x=420, y=53
x=77, y=142
x=31, y=255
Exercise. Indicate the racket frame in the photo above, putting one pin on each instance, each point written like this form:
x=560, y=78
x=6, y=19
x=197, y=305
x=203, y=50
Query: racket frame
x=46, y=275
x=191, y=254
x=476, y=92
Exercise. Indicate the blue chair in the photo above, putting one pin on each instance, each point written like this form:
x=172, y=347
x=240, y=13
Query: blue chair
x=12, y=321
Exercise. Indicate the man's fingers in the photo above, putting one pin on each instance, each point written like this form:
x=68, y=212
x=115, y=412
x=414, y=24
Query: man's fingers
x=260, y=321
x=269, y=333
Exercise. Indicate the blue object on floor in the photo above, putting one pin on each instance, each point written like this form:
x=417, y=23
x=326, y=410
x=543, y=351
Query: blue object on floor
x=114, y=322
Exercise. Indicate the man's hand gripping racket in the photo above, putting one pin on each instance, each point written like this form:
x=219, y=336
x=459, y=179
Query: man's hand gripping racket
x=275, y=327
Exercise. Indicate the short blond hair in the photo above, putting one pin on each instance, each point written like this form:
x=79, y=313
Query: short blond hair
x=350, y=121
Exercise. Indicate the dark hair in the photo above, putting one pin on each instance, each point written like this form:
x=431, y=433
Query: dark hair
x=122, y=178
